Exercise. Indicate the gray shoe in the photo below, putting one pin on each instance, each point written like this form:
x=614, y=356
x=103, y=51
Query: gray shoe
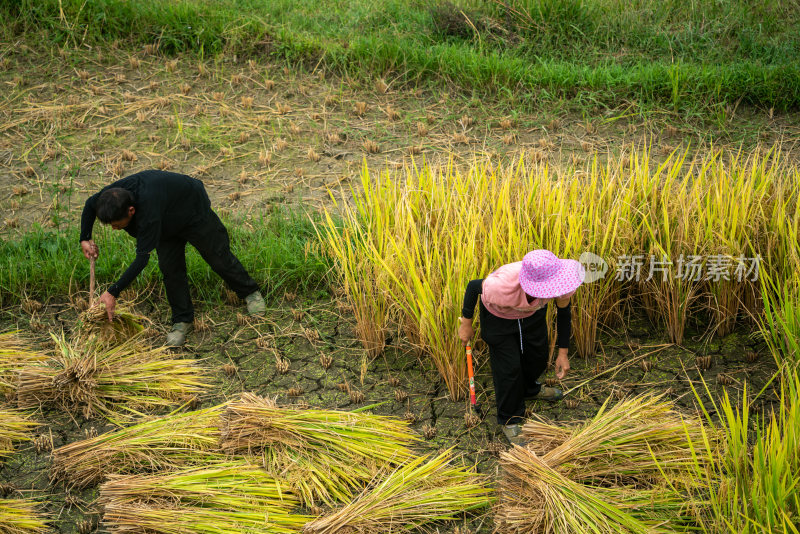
x=549, y=394
x=177, y=337
x=513, y=434
x=255, y=304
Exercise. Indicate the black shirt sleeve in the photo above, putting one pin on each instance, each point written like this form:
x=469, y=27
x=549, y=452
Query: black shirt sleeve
x=147, y=239
x=563, y=325
x=474, y=288
x=87, y=217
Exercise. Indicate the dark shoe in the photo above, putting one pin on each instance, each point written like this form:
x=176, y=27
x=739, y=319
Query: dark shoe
x=513, y=434
x=177, y=337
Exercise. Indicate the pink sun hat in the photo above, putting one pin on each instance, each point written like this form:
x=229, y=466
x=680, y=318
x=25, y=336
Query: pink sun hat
x=545, y=276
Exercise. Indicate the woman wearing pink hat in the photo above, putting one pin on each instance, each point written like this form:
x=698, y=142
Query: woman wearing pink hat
x=513, y=311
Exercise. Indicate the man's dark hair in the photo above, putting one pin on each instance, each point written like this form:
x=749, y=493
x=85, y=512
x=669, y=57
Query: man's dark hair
x=113, y=204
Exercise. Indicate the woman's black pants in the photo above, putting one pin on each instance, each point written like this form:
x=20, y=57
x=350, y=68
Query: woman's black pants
x=518, y=354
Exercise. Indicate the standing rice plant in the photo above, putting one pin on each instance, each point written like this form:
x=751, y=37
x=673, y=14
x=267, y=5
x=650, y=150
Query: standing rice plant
x=20, y=516
x=326, y=454
x=752, y=483
x=169, y=443
x=13, y=427
x=358, y=279
x=228, y=496
x=733, y=229
x=419, y=492
x=675, y=246
x=15, y=355
x=116, y=382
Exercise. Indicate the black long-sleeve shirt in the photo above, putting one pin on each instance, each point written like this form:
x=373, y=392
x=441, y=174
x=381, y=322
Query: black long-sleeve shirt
x=563, y=315
x=165, y=204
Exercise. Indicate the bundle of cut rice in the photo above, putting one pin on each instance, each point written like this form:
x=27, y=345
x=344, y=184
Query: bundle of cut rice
x=13, y=427
x=168, y=443
x=94, y=323
x=625, y=470
x=226, y=496
x=326, y=454
x=19, y=516
x=15, y=355
x=418, y=492
x=117, y=382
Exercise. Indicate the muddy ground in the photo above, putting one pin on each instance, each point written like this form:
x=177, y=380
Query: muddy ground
x=301, y=331
x=262, y=134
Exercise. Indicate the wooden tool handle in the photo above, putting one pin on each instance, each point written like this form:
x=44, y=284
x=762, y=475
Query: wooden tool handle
x=91, y=281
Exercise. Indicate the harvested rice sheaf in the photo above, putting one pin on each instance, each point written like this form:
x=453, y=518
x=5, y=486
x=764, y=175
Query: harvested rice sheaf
x=116, y=382
x=625, y=470
x=19, y=516
x=15, y=355
x=227, y=496
x=13, y=427
x=621, y=441
x=325, y=454
x=94, y=323
x=419, y=492
x=170, y=443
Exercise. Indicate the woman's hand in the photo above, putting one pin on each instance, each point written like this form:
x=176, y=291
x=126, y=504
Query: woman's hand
x=465, y=331
x=562, y=364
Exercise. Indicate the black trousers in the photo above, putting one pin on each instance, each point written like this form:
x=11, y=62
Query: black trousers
x=211, y=240
x=518, y=354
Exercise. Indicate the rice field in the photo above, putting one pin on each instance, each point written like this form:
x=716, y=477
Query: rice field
x=365, y=205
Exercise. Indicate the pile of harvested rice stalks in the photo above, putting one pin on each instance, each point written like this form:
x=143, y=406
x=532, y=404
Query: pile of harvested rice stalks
x=625, y=470
x=415, y=494
x=169, y=443
x=325, y=454
x=13, y=427
x=116, y=382
x=15, y=355
x=94, y=323
x=19, y=516
x=230, y=496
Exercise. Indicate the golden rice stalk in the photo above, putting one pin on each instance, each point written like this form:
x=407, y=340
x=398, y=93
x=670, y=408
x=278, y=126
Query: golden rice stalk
x=219, y=497
x=19, y=516
x=254, y=422
x=116, y=382
x=15, y=355
x=13, y=427
x=537, y=498
x=636, y=442
x=421, y=491
x=167, y=518
x=324, y=454
x=168, y=443
x=94, y=323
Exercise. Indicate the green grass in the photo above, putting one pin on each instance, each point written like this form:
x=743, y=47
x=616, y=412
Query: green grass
x=685, y=56
x=277, y=249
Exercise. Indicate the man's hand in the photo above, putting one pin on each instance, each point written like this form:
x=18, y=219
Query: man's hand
x=562, y=364
x=465, y=331
x=111, y=302
x=90, y=249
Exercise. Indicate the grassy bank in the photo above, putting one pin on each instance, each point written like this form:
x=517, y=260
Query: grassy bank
x=276, y=249
x=600, y=52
